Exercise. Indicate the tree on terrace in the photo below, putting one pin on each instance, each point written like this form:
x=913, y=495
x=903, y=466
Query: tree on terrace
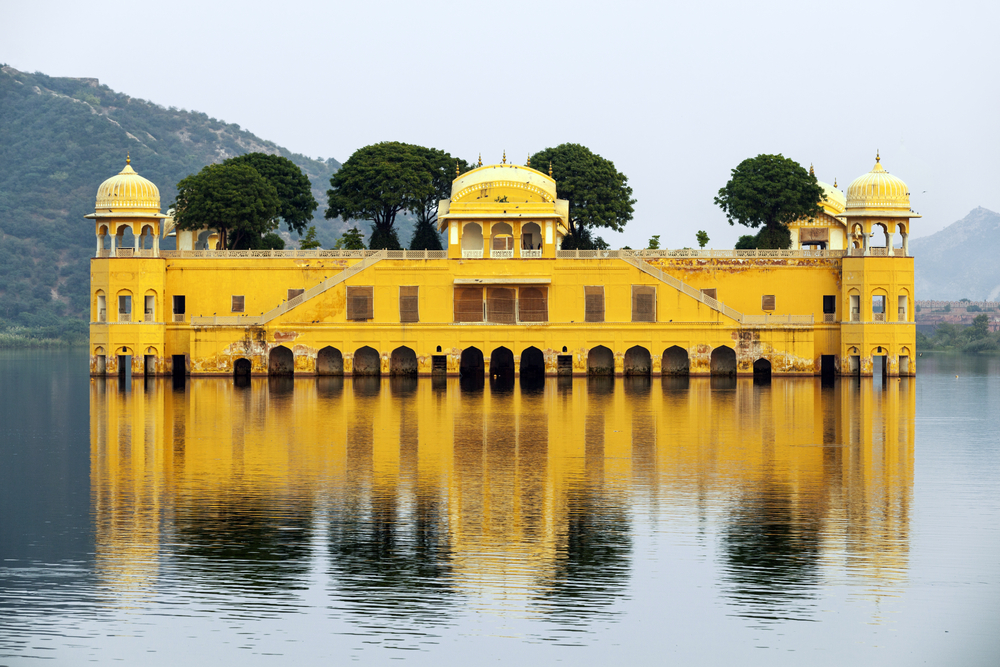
x=443, y=169
x=768, y=192
x=233, y=198
x=598, y=194
x=294, y=190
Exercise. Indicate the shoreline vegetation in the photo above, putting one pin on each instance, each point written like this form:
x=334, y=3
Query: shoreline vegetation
x=67, y=334
x=974, y=339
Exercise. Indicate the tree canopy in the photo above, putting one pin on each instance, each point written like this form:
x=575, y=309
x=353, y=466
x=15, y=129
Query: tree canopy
x=378, y=182
x=233, y=198
x=770, y=191
x=294, y=190
x=598, y=194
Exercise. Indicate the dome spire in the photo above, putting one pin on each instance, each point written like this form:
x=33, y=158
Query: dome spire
x=457, y=174
x=812, y=172
x=480, y=159
x=877, y=158
x=529, y=161
x=834, y=181
x=128, y=158
x=505, y=156
x=550, y=168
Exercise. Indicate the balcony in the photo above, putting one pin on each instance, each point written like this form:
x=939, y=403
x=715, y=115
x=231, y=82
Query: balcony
x=531, y=254
x=878, y=317
x=472, y=254
x=502, y=254
x=124, y=317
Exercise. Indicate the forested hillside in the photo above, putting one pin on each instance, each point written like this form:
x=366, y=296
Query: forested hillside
x=59, y=139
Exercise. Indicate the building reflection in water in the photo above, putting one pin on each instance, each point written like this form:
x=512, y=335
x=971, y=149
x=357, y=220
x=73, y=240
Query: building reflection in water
x=408, y=498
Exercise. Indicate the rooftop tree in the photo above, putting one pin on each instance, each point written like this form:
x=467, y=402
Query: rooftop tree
x=294, y=190
x=768, y=192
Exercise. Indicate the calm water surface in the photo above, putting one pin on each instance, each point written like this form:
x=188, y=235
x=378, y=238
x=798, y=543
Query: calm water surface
x=586, y=521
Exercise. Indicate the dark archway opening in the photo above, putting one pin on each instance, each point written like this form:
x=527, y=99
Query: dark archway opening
x=675, y=361
x=637, y=361
x=761, y=371
x=330, y=361
x=367, y=362
x=241, y=371
x=532, y=363
x=280, y=361
x=472, y=364
x=723, y=361
x=403, y=361
x=502, y=364
x=600, y=361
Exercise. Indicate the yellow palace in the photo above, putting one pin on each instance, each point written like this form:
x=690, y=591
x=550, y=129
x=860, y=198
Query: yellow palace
x=504, y=298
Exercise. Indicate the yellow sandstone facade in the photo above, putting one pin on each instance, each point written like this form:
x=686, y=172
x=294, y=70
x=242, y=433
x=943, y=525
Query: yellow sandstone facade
x=504, y=298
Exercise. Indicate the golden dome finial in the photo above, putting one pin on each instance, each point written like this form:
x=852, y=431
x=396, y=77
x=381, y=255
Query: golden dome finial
x=480, y=159
x=457, y=174
x=528, y=164
x=550, y=168
x=877, y=158
x=505, y=156
x=812, y=172
x=834, y=181
x=128, y=158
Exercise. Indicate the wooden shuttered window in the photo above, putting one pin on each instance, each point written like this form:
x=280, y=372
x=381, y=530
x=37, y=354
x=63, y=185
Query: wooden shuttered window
x=594, y=298
x=360, y=304
x=643, y=303
x=408, y=311
x=532, y=304
x=767, y=302
x=238, y=304
x=500, y=305
x=468, y=304
x=292, y=293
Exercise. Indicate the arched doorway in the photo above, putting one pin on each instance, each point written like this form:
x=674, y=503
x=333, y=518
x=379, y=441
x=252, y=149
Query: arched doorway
x=367, y=362
x=242, y=368
x=762, y=370
x=403, y=361
x=675, y=361
x=472, y=240
x=723, y=361
x=600, y=361
x=471, y=363
x=532, y=363
x=280, y=361
x=329, y=361
x=502, y=363
x=637, y=361
x=531, y=236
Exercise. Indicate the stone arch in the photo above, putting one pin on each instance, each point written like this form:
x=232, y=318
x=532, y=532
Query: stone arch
x=100, y=361
x=675, y=361
x=329, y=361
x=723, y=361
x=126, y=236
x=532, y=363
x=100, y=306
x=149, y=306
x=242, y=367
x=531, y=236
x=501, y=236
x=637, y=361
x=146, y=232
x=280, y=361
x=762, y=369
x=472, y=363
x=403, y=361
x=367, y=362
x=502, y=362
x=472, y=236
x=600, y=361
x=124, y=305
x=149, y=361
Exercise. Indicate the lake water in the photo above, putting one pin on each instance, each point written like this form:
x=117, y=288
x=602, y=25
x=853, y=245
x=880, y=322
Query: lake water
x=322, y=520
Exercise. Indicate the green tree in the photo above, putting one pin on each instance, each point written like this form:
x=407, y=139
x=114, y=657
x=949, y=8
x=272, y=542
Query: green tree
x=980, y=327
x=768, y=192
x=425, y=236
x=352, y=239
x=310, y=242
x=598, y=194
x=702, y=237
x=378, y=182
x=233, y=198
x=294, y=189
x=654, y=243
x=947, y=308
x=747, y=242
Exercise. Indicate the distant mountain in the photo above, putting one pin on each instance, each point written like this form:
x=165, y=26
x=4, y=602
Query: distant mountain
x=960, y=261
x=59, y=139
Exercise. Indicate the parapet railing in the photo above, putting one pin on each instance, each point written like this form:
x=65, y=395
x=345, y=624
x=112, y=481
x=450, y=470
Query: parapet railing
x=777, y=319
x=699, y=253
x=371, y=259
x=264, y=254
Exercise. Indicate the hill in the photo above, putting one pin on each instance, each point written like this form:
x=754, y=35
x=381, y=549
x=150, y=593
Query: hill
x=959, y=262
x=59, y=139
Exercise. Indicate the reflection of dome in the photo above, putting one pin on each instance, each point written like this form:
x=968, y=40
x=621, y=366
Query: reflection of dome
x=835, y=202
x=128, y=191
x=878, y=190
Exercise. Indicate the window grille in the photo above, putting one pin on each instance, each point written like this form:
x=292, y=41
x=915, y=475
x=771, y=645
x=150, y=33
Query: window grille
x=594, y=297
x=408, y=311
x=532, y=305
x=643, y=303
x=500, y=305
x=238, y=304
x=767, y=302
x=359, y=302
x=469, y=304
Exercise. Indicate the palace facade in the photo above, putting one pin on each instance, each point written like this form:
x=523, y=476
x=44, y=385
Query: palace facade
x=504, y=298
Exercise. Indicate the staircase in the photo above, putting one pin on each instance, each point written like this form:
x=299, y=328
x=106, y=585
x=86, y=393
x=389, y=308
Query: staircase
x=683, y=287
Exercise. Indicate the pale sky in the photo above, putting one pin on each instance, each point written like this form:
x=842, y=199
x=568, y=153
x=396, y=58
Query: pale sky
x=676, y=95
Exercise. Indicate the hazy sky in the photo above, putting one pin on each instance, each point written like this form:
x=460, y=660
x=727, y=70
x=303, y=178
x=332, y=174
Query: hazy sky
x=675, y=94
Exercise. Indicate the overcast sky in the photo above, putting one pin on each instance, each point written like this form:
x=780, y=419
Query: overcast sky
x=676, y=95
